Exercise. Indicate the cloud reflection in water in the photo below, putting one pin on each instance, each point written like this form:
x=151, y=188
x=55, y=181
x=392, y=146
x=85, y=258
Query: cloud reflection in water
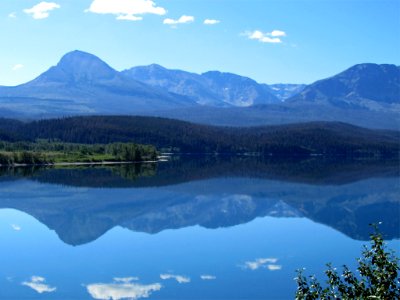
x=122, y=288
x=38, y=284
x=178, y=278
x=268, y=263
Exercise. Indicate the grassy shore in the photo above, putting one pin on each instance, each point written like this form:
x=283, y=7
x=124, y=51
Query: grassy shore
x=48, y=153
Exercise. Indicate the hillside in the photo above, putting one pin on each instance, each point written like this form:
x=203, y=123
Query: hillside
x=284, y=113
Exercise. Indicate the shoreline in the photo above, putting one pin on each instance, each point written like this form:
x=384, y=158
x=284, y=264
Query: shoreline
x=98, y=163
x=166, y=157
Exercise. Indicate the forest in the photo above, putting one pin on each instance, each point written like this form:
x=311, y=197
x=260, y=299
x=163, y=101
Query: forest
x=305, y=139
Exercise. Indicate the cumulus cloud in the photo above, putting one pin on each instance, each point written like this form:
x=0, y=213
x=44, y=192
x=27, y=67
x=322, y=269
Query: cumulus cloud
x=12, y=15
x=41, y=10
x=38, y=284
x=259, y=263
x=211, y=22
x=16, y=68
x=182, y=20
x=273, y=37
x=16, y=227
x=278, y=33
x=208, y=277
x=178, y=278
x=128, y=10
x=122, y=288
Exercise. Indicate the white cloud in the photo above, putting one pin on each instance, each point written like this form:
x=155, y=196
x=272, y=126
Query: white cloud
x=16, y=227
x=129, y=18
x=178, y=278
x=129, y=10
x=278, y=33
x=274, y=267
x=16, y=68
x=182, y=20
x=259, y=263
x=38, y=284
x=125, y=290
x=12, y=15
x=271, y=40
x=41, y=10
x=125, y=279
x=268, y=37
x=211, y=22
x=208, y=277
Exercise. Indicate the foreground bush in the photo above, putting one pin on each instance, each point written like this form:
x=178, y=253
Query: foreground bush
x=377, y=277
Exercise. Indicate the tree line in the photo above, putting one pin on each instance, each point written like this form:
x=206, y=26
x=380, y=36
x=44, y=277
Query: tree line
x=321, y=138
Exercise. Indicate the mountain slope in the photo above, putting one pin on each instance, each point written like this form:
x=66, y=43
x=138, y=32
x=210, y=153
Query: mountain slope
x=175, y=81
x=76, y=68
x=211, y=88
x=369, y=86
x=285, y=91
x=238, y=90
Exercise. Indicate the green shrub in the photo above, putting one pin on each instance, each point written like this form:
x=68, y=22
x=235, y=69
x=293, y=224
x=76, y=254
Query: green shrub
x=377, y=277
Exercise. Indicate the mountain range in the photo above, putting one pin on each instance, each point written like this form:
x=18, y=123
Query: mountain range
x=82, y=84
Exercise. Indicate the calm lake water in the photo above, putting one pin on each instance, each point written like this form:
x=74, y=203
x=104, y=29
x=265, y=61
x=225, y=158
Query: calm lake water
x=190, y=228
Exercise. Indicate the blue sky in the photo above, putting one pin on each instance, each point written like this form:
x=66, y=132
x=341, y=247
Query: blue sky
x=271, y=41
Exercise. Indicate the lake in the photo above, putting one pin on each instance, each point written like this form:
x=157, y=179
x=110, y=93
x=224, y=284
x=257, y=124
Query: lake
x=190, y=228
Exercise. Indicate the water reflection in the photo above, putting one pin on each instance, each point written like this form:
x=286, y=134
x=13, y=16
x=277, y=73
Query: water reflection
x=190, y=168
x=38, y=284
x=208, y=191
x=122, y=288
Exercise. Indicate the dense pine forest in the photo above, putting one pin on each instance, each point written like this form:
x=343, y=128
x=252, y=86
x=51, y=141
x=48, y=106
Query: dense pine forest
x=316, y=138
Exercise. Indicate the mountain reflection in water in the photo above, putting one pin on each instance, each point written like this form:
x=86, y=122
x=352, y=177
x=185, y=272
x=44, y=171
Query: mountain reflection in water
x=211, y=192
